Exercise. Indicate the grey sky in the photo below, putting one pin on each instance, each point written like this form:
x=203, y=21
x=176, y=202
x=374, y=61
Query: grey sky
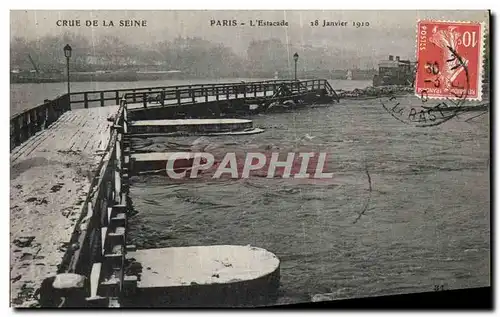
x=389, y=31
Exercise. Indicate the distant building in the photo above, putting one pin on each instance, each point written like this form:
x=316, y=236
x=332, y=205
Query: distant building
x=394, y=72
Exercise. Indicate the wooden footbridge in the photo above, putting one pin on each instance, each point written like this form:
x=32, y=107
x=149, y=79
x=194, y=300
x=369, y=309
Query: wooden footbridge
x=76, y=158
x=215, y=100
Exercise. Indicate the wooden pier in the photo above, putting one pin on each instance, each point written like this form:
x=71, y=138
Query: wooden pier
x=70, y=167
x=228, y=99
x=51, y=176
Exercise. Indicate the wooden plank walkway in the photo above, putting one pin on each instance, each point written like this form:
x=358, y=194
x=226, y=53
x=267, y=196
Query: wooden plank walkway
x=51, y=174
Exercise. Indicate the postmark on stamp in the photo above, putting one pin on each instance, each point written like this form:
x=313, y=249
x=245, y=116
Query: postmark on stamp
x=450, y=60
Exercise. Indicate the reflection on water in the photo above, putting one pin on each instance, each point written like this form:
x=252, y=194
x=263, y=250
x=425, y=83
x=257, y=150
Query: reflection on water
x=427, y=222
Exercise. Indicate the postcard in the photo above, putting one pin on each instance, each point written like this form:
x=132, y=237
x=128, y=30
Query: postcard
x=247, y=158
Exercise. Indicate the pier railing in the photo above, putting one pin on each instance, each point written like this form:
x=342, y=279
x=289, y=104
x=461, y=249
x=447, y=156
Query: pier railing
x=180, y=95
x=97, y=249
x=99, y=239
x=85, y=99
x=29, y=122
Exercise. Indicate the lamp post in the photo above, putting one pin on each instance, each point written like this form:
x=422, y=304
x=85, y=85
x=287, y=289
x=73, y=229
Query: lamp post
x=67, y=53
x=296, y=58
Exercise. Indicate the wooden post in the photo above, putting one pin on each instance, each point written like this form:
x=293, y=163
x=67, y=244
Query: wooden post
x=47, y=115
x=66, y=100
x=17, y=131
x=53, y=112
x=144, y=100
x=102, y=99
x=117, y=97
x=57, y=107
x=32, y=125
x=133, y=96
x=178, y=95
x=37, y=119
x=85, y=100
x=227, y=92
x=24, y=128
x=40, y=117
x=29, y=131
x=34, y=120
x=117, y=168
x=162, y=97
x=206, y=94
x=191, y=92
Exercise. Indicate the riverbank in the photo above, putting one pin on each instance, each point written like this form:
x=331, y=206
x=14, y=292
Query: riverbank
x=138, y=75
x=121, y=76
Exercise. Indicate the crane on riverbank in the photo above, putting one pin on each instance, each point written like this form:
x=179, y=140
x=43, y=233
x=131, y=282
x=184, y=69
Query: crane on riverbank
x=34, y=64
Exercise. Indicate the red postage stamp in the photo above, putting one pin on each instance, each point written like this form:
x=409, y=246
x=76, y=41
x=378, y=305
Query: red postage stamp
x=449, y=60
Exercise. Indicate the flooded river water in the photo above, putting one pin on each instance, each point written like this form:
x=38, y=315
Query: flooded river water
x=425, y=223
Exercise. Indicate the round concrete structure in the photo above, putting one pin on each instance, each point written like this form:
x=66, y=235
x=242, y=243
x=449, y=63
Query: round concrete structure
x=207, y=276
x=194, y=126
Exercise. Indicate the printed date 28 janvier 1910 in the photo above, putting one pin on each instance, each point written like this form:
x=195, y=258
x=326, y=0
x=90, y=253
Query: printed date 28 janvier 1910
x=338, y=23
